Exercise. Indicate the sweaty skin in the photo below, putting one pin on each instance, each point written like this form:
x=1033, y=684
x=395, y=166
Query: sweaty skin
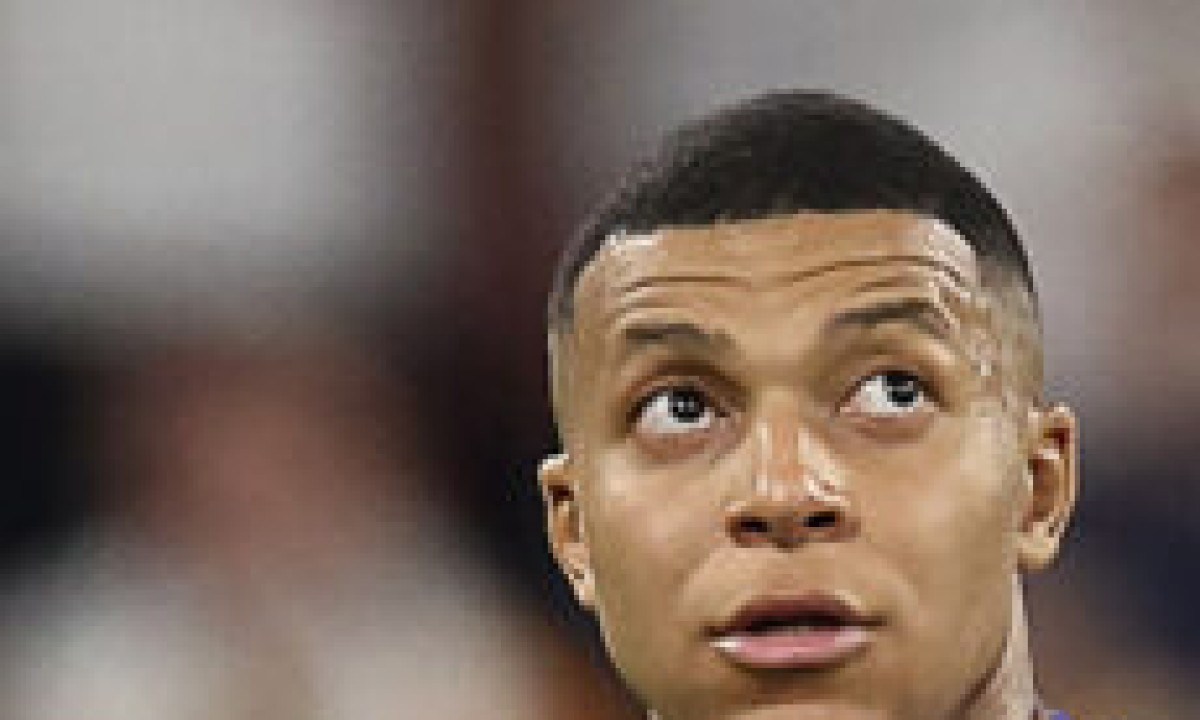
x=819, y=403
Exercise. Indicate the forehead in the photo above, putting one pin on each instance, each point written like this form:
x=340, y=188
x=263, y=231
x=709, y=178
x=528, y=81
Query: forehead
x=778, y=251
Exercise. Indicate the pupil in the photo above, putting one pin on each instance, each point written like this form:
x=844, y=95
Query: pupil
x=902, y=388
x=686, y=405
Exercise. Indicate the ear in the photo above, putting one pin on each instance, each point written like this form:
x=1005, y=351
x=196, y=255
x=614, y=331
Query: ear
x=564, y=526
x=1052, y=476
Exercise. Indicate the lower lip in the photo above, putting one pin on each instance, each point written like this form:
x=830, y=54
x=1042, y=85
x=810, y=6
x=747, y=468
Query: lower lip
x=811, y=648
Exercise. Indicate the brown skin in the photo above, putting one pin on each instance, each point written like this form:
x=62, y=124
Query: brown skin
x=781, y=328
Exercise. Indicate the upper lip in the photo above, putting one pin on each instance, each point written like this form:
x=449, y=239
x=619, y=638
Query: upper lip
x=816, y=608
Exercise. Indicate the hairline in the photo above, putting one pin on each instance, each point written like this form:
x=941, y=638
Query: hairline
x=996, y=275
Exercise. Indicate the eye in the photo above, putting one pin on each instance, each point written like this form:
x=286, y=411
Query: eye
x=888, y=394
x=675, y=411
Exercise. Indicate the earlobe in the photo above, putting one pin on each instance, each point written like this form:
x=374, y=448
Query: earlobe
x=1053, y=479
x=564, y=526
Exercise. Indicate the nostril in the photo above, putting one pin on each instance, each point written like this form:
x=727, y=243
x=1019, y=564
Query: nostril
x=751, y=526
x=821, y=520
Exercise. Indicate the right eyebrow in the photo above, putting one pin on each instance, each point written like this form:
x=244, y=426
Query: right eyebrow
x=684, y=335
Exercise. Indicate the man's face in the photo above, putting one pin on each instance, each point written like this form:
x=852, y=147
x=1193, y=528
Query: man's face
x=799, y=480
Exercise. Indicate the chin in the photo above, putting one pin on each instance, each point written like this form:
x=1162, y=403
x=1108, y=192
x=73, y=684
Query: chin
x=809, y=710
x=779, y=703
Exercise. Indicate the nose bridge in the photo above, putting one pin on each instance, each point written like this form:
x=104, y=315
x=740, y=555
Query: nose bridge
x=777, y=468
x=788, y=461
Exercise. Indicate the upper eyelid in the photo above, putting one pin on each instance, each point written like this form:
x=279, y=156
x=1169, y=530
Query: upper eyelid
x=642, y=397
x=861, y=362
x=921, y=381
x=936, y=365
x=927, y=387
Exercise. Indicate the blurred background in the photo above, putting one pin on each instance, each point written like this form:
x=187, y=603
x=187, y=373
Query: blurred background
x=271, y=348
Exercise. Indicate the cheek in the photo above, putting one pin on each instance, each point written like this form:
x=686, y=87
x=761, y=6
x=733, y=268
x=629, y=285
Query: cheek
x=648, y=525
x=946, y=515
x=648, y=531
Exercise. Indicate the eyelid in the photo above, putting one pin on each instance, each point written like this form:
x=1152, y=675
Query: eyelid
x=927, y=387
x=934, y=362
x=644, y=394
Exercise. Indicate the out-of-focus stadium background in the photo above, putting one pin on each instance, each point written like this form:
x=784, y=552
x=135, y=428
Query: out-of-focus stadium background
x=271, y=351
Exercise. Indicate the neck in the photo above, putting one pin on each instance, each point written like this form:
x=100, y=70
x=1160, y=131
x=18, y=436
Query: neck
x=1008, y=692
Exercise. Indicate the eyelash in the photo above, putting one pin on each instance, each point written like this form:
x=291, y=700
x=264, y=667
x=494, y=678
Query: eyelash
x=646, y=396
x=923, y=378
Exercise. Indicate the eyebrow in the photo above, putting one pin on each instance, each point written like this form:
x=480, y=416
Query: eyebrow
x=694, y=337
x=923, y=314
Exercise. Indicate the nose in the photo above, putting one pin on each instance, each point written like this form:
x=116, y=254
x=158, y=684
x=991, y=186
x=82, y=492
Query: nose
x=796, y=496
x=788, y=523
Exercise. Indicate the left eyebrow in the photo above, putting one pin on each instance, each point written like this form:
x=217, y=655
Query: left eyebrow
x=923, y=314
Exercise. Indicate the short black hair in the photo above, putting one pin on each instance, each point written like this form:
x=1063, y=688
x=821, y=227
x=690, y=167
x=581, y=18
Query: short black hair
x=790, y=151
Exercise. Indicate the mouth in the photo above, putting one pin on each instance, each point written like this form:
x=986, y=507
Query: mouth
x=805, y=631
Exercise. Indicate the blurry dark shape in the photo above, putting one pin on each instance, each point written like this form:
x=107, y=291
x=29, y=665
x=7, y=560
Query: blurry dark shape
x=45, y=390
x=187, y=183
x=1147, y=472
x=270, y=553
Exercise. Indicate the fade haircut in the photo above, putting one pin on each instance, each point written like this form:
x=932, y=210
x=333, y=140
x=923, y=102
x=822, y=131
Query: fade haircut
x=791, y=151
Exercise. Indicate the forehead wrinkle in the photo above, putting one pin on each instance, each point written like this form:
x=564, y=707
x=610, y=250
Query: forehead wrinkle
x=644, y=293
x=748, y=281
x=618, y=317
x=732, y=279
x=892, y=282
x=640, y=293
x=797, y=276
x=947, y=291
x=627, y=277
